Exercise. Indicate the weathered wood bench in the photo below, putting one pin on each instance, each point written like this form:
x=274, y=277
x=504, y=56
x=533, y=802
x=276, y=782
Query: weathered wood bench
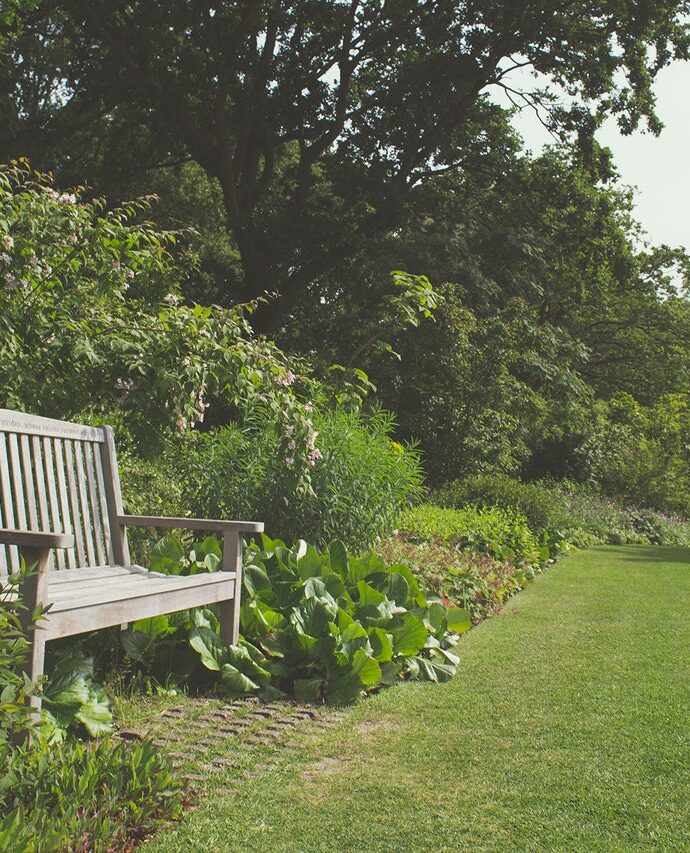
x=61, y=509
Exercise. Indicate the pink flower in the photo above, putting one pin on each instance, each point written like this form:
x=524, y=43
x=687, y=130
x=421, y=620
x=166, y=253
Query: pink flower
x=289, y=461
x=308, y=407
x=73, y=238
x=171, y=299
x=10, y=281
x=68, y=198
x=291, y=444
x=286, y=379
x=5, y=258
x=8, y=242
x=289, y=429
x=311, y=463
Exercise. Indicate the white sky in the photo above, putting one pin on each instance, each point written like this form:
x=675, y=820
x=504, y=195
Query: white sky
x=658, y=166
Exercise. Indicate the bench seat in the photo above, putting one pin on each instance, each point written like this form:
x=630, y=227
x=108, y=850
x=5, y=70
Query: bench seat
x=89, y=599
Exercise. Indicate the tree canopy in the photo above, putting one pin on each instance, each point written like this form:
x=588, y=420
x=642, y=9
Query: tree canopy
x=319, y=119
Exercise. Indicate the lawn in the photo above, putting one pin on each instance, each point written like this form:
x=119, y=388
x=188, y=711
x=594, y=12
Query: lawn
x=567, y=727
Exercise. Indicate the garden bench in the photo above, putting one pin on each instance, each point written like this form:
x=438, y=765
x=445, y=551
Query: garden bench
x=61, y=509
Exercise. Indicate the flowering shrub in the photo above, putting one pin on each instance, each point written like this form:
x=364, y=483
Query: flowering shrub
x=359, y=488
x=91, y=320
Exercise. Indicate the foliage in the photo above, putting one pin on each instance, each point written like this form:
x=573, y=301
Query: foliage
x=319, y=625
x=91, y=320
x=80, y=796
x=72, y=701
x=15, y=687
x=543, y=507
x=359, y=486
x=499, y=533
x=592, y=517
x=321, y=120
x=331, y=626
x=478, y=583
x=639, y=453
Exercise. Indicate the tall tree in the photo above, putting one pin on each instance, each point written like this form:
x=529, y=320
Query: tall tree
x=317, y=118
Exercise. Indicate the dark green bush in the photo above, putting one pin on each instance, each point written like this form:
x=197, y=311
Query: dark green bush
x=543, y=507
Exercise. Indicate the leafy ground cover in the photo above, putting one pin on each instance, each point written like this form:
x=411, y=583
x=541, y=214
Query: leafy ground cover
x=577, y=740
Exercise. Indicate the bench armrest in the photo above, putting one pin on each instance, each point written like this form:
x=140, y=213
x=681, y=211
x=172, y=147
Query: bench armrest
x=35, y=540
x=191, y=523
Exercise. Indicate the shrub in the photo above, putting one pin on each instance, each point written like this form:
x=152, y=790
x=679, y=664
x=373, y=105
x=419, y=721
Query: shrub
x=543, y=507
x=592, y=517
x=331, y=625
x=320, y=625
x=359, y=487
x=499, y=533
x=15, y=689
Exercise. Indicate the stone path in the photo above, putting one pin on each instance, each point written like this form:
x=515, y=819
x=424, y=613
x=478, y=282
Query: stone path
x=208, y=738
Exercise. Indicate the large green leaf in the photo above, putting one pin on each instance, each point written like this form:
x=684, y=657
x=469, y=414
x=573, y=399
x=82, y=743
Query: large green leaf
x=212, y=650
x=313, y=615
x=396, y=588
x=95, y=714
x=167, y=556
x=309, y=564
x=338, y=557
x=257, y=583
x=410, y=638
x=381, y=644
x=367, y=668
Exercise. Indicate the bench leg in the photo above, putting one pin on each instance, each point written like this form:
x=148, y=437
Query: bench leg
x=230, y=610
x=34, y=591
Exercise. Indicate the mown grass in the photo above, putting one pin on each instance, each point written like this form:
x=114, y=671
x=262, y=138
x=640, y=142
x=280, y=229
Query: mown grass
x=566, y=728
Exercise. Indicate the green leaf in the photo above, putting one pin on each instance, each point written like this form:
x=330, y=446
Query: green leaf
x=256, y=582
x=367, y=668
x=211, y=649
x=311, y=616
x=410, y=638
x=381, y=644
x=338, y=557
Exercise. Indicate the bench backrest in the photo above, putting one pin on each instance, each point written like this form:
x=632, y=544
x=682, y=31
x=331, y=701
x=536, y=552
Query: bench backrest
x=61, y=477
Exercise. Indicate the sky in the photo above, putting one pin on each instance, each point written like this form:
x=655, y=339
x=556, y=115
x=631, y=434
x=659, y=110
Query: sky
x=658, y=166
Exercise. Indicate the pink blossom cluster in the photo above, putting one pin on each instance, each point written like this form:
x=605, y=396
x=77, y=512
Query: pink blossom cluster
x=286, y=379
x=8, y=242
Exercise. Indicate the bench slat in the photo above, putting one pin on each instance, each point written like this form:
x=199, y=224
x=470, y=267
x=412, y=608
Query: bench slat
x=11, y=554
x=56, y=519
x=94, y=502
x=19, y=505
x=73, y=492
x=28, y=479
x=96, y=573
x=63, y=491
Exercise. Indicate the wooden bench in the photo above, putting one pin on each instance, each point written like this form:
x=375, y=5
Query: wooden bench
x=61, y=509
